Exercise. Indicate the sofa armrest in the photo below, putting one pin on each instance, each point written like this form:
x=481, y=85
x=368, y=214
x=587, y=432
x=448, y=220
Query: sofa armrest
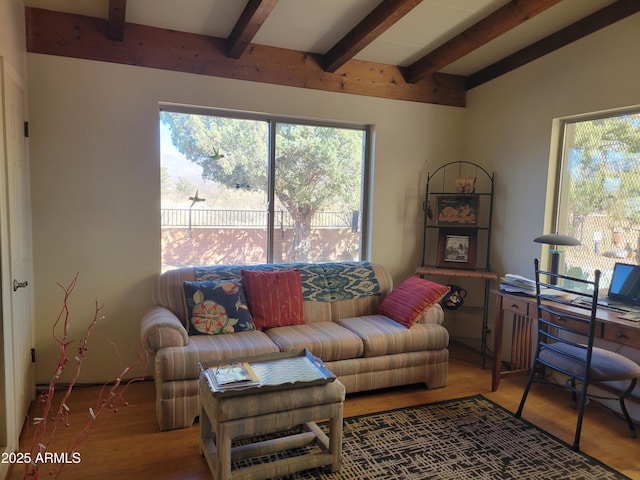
x=433, y=314
x=160, y=328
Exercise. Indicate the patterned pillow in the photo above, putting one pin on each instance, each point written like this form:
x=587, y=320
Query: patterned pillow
x=217, y=307
x=275, y=298
x=408, y=301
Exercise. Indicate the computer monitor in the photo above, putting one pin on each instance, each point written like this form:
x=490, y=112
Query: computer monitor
x=625, y=283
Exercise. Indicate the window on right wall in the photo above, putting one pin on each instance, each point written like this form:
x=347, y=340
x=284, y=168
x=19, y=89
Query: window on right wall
x=598, y=192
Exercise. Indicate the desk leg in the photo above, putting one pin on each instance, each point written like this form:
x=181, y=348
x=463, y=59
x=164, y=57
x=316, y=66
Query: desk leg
x=485, y=324
x=497, y=344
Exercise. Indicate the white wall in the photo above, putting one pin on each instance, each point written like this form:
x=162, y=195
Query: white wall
x=509, y=127
x=96, y=184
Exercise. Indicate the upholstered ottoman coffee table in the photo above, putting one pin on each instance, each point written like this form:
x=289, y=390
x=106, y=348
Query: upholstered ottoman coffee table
x=295, y=390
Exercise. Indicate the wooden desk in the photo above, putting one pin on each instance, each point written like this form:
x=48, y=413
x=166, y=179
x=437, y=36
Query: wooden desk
x=609, y=327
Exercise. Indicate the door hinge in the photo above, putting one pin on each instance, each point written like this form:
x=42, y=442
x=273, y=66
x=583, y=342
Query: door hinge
x=33, y=355
x=26, y=129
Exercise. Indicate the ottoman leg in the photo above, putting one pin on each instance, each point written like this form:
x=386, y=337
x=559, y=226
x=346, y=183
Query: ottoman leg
x=335, y=437
x=206, y=434
x=223, y=453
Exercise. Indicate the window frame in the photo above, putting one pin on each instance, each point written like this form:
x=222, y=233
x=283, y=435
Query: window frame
x=273, y=120
x=558, y=221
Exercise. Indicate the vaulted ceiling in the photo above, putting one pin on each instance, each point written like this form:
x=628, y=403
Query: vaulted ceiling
x=429, y=51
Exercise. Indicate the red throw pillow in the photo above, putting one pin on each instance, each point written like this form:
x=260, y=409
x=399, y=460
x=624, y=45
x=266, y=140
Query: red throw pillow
x=274, y=298
x=406, y=302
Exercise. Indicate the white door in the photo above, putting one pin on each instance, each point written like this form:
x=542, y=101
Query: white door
x=15, y=243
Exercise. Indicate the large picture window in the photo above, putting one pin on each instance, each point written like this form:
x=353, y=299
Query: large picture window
x=239, y=188
x=599, y=192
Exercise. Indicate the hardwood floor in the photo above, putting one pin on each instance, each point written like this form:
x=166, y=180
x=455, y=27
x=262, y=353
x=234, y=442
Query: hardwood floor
x=127, y=444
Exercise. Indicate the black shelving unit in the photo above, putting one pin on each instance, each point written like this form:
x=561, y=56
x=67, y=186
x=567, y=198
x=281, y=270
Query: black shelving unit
x=458, y=203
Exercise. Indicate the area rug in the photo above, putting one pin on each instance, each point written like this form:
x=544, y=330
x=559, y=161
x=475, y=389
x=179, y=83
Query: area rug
x=468, y=438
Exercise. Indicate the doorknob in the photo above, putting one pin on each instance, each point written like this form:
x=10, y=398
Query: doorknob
x=17, y=285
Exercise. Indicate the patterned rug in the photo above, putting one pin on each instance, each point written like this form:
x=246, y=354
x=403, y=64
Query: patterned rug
x=468, y=438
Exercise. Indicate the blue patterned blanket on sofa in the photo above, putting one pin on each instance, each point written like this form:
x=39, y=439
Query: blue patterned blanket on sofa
x=321, y=282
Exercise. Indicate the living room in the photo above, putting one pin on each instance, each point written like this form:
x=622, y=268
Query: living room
x=95, y=177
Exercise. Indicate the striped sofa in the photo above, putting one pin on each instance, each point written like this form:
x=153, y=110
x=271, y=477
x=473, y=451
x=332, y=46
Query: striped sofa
x=365, y=350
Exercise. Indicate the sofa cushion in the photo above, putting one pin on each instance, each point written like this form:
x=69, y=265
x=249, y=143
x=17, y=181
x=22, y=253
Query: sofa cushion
x=384, y=336
x=216, y=307
x=181, y=363
x=408, y=301
x=275, y=298
x=316, y=312
x=355, y=308
x=326, y=340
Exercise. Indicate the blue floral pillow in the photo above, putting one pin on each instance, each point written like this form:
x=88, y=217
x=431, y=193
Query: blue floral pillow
x=217, y=307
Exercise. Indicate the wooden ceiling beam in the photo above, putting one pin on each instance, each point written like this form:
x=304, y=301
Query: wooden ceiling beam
x=117, y=12
x=586, y=26
x=250, y=21
x=497, y=23
x=77, y=36
x=380, y=19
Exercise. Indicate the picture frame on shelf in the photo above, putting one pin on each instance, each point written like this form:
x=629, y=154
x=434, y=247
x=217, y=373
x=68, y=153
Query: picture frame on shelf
x=457, y=210
x=457, y=248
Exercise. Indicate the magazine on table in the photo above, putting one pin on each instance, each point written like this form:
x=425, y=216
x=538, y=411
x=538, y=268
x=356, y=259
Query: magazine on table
x=231, y=376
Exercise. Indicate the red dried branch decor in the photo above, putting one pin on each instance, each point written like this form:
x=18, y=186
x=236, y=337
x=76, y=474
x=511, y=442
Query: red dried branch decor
x=52, y=416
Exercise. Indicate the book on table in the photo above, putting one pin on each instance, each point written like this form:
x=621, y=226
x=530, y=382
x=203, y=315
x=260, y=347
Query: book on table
x=231, y=376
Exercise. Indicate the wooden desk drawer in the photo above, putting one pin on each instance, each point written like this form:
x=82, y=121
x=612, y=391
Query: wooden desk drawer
x=575, y=325
x=621, y=334
x=517, y=305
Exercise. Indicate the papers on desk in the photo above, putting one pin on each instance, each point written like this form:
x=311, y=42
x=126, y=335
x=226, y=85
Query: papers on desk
x=633, y=316
x=519, y=285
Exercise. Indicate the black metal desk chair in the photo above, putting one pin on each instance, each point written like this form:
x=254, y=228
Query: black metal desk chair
x=565, y=344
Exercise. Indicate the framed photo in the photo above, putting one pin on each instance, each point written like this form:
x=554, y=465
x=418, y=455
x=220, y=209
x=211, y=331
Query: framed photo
x=457, y=248
x=457, y=210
